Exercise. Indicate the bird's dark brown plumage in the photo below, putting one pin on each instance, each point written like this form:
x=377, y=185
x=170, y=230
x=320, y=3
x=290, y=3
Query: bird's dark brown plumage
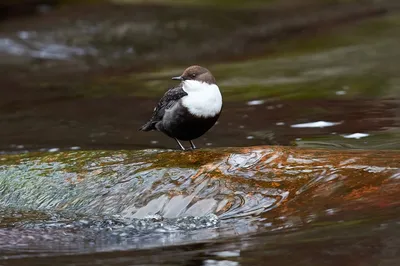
x=167, y=101
x=183, y=112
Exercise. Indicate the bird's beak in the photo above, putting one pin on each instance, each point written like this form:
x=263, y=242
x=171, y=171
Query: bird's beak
x=177, y=78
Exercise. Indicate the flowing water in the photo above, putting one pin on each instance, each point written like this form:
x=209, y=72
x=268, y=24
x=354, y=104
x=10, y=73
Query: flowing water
x=79, y=185
x=264, y=201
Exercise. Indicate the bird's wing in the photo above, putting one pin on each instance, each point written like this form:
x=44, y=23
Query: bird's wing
x=167, y=101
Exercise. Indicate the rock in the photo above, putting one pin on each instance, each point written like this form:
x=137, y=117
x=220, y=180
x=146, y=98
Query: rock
x=281, y=183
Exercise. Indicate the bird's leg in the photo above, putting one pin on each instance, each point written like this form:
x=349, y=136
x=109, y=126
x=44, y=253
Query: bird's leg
x=192, y=144
x=180, y=145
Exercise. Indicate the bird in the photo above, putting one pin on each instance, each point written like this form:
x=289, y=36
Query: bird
x=189, y=110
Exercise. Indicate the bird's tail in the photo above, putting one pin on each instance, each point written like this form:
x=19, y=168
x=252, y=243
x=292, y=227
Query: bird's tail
x=148, y=126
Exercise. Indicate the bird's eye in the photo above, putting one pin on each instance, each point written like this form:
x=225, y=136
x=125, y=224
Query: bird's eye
x=193, y=75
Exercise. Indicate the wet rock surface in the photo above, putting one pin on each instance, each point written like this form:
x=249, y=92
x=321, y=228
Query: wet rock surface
x=105, y=200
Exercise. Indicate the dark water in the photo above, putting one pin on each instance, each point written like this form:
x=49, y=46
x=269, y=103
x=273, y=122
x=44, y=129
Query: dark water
x=92, y=78
x=363, y=244
x=306, y=74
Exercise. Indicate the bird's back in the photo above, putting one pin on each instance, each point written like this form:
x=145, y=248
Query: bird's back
x=169, y=99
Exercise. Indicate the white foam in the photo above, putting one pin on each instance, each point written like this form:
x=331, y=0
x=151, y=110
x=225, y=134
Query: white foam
x=356, y=136
x=255, y=102
x=74, y=148
x=340, y=92
x=319, y=124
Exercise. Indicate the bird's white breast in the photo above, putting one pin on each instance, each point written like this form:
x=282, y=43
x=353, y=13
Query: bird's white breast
x=203, y=99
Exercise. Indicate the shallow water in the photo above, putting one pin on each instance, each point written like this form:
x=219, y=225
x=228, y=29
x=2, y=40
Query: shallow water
x=213, y=204
x=80, y=77
x=90, y=81
x=365, y=244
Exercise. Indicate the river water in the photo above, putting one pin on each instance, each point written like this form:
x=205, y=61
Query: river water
x=79, y=185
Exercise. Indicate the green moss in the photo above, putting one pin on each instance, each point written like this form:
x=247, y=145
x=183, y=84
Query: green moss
x=191, y=159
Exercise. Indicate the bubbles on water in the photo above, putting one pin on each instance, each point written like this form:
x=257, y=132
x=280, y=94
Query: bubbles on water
x=128, y=228
x=227, y=253
x=356, y=136
x=154, y=217
x=220, y=263
x=340, y=92
x=319, y=124
x=343, y=91
x=280, y=123
x=75, y=148
x=255, y=102
x=250, y=137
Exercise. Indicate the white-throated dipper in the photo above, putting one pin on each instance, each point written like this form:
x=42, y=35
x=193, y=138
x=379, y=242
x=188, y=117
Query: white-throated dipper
x=189, y=110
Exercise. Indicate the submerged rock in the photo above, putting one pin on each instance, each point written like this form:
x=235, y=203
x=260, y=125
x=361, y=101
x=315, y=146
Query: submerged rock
x=91, y=201
x=269, y=182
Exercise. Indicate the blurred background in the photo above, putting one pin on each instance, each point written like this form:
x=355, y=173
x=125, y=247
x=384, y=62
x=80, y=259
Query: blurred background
x=87, y=74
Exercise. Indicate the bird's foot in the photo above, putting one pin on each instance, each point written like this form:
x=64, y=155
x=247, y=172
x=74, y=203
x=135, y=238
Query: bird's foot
x=192, y=145
x=180, y=144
